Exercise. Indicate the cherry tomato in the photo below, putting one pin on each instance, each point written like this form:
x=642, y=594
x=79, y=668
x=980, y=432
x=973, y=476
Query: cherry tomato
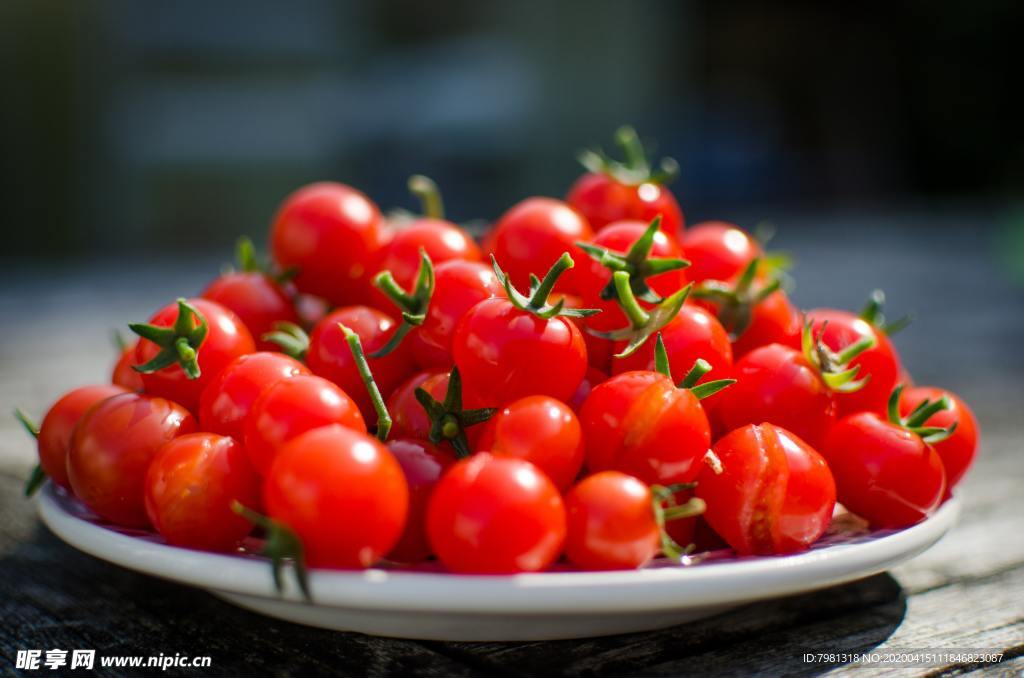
x=290, y=407
x=603, y=200
x=879, y=363
x=112, y=447
x=541, y=430
x=773, y=494
x=885, y=474
x=717, y=250
x=342, y=493
x=329, y=355
x=535, y=232
x=958, y=450
x=423, y=464
x=332, y=234
x=591, y=379
x=458, y=286
x=642, y=424
x=495, y=515
x=227, y=399
x=190, y=486
x=226, y=339
x=611, y=523
x=256, y=298
x=408, y=418
x=442, y=240
x=123, y=375
x=618, y=237
x=54, y=439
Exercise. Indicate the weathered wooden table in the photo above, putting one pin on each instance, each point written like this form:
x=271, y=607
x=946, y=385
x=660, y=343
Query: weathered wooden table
x=966, y=593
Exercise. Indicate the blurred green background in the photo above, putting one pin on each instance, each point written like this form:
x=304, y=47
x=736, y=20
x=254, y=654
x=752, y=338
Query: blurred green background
x=149, y=127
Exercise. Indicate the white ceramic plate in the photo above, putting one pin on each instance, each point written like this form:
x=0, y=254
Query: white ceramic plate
x=439, y=606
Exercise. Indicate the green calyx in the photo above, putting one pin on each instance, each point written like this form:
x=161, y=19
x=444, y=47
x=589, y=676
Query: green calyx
x=873, y=314
x=666, y=508
x=834, y=367
x=281, y=544
x=635, y=168
x=429, y=196
x=642, y=322
x=383, y=416
x=689, y=382
x=37, y=476
x=636, y=262
x=736, y=302
x=413, y=305
x=179, y=344
x=448, y=420
x=290, y=338
x=915, y=420
x=247, y=262
x=540, y=290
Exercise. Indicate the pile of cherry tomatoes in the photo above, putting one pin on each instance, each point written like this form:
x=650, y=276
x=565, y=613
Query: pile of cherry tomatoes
x=592, y=384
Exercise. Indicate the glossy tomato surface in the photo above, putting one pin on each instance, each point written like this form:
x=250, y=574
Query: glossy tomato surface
x=58, y=425
x=957, y=451
x=442, y=240
x=256, y=299
x=610, y=523
x=717, y=250
x=604, y=200
x=423, y=465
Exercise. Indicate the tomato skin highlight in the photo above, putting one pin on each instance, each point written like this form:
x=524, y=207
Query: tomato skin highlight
x=495, y=515
x=884, y=474
x=291, y=407
x=958, y=450
x=641, y=424
x=442, y=240
x=610, y=523
x=111, y=450
x=505, y=354
x=541, y=430
x=190, y=485
x=227, y=339
x=332, y=234
x=338, y=472
x=775, y=494
x=58, y=427
x=717, y=250
x=776, y=384
x=603, y=201
x=329, y=355
x=423, y=464
x=256, y=299
x=227, y=400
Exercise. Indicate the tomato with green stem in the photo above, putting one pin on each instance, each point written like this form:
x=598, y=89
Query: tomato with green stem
x=423, y=464
x=957, y=451
x=331, y=235
x=718, y=250
x=614, y=191
x=495, y=515
x=510, y=348
x=412, y=305
x=112, y=447
x=183, y=347
x=616, y=522
x=644, y=424
x=444, y=419
x=768, y=492
x=189, y=489
x=886, y=470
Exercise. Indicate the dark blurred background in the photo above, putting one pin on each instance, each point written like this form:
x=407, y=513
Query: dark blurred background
x=148, y=126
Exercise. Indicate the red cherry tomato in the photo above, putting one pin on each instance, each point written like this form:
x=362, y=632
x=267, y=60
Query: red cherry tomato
x=329, y=355
x=958, y=450
x=290, y=407
x=618, y=237
x=227, y=399
x=123, y=374
x=458, y=286
x=879, y=363
x=774, y=493
x=541, y=430
x=332, y=234
x=442, y=240
x=717, y=250
x=342, y=493
x=423, y=464
x=226, y=339
x=256, y=299
x=604, y=200
x=884, y=473
x=495, y=515
x=111, y=450
x=773, y=320
x=190, y=486
x=777, y=384
x=505, y=354
x=408, y=418
x=58, y=425
x=642, y=424
x=535, y=232
x=610, y=523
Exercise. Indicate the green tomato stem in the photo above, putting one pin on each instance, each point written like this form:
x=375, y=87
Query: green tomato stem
x=383, y=416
